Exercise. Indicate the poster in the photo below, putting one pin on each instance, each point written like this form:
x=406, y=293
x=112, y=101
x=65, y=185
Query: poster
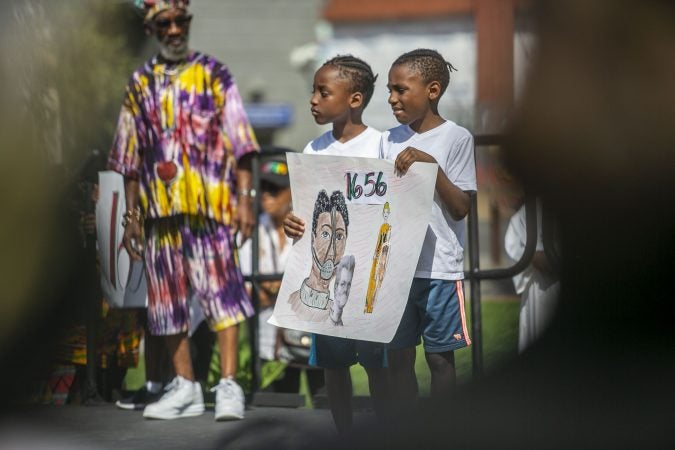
x=350, y=273
x=122, y=282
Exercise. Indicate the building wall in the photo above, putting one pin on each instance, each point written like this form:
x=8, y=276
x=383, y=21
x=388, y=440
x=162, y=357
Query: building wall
x=380, y=43
x=255, y=39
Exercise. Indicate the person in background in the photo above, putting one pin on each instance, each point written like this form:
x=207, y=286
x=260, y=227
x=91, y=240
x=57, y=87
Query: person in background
x=183, y=144
x=275, y=345
x=158, y=370
x=537, y=284
x=117, y=332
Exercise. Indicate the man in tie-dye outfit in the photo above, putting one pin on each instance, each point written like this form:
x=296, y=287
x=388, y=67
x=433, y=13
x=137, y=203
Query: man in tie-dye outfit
x=183, y=145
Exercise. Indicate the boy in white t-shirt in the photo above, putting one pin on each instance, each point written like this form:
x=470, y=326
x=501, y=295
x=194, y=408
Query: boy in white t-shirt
x=435, y=308
x=342, y=88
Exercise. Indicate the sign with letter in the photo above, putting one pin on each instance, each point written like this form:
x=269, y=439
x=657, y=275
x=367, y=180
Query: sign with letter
x=350, y=273
x=122, y=280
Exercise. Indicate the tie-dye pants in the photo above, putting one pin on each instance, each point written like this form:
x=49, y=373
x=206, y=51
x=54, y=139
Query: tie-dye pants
x=184, y=252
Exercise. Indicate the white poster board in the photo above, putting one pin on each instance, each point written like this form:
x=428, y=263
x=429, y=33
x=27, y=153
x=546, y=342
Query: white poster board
x=368, y=263
x=123, y=284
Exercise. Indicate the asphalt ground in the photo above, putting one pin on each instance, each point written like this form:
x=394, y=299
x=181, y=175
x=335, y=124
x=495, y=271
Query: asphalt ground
x=107, y=427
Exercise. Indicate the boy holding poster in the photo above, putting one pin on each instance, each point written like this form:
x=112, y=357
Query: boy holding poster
x=342, y=89
x=435, y=307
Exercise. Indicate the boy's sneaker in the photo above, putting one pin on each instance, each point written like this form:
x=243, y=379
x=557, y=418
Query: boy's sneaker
x=139, y=400
x=229, y=400
x=182, y=398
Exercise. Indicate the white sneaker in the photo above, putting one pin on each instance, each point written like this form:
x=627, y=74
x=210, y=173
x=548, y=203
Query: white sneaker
x=182, y=398
x=229, y=400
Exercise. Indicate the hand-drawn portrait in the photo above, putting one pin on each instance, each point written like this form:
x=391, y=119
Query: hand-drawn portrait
x=350, y=273
x=380, y=258
x=330, y=222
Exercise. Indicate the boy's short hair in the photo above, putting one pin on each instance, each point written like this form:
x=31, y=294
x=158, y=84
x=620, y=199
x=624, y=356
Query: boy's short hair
x=430, y=64
x=359, y=73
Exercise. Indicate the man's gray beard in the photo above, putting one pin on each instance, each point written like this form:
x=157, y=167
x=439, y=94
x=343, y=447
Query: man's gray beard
x=173, y=54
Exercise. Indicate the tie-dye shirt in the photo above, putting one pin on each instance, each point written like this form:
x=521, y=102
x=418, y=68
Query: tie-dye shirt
x=181, y=131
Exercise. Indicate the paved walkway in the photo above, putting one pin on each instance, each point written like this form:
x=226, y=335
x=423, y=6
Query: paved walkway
x=106, y=427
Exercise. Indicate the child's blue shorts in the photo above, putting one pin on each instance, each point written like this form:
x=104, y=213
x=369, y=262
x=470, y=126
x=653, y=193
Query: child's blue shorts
x=435, y=310
x=329, y=352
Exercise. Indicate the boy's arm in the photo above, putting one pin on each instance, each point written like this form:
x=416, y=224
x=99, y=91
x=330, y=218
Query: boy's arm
x=455, y=200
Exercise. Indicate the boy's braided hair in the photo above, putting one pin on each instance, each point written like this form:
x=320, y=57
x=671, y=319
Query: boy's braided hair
x=359, y=73
x=430, y=65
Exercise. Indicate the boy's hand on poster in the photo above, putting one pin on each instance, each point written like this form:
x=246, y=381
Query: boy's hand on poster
x=407, y=157
x=294, y=227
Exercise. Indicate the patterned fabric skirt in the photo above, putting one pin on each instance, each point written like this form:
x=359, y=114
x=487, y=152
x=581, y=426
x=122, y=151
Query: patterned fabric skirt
x=192, y=252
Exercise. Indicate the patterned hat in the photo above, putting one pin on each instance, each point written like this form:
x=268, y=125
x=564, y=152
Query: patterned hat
x=273, y=168
x=151, y=8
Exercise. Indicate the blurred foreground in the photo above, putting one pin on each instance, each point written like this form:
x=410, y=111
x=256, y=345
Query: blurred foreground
x=594, y=136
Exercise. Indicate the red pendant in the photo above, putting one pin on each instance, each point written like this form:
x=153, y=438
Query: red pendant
x=166, y=171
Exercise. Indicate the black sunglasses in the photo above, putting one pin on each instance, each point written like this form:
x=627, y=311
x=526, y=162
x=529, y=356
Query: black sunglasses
x=180, y=21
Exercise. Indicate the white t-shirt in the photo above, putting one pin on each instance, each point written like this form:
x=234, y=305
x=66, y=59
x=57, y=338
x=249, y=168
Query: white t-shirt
x=365, y=145
x=451, y=146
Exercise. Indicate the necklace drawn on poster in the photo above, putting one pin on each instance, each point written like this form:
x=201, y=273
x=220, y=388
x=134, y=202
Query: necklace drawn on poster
x=380, y=258
x=330, y=223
